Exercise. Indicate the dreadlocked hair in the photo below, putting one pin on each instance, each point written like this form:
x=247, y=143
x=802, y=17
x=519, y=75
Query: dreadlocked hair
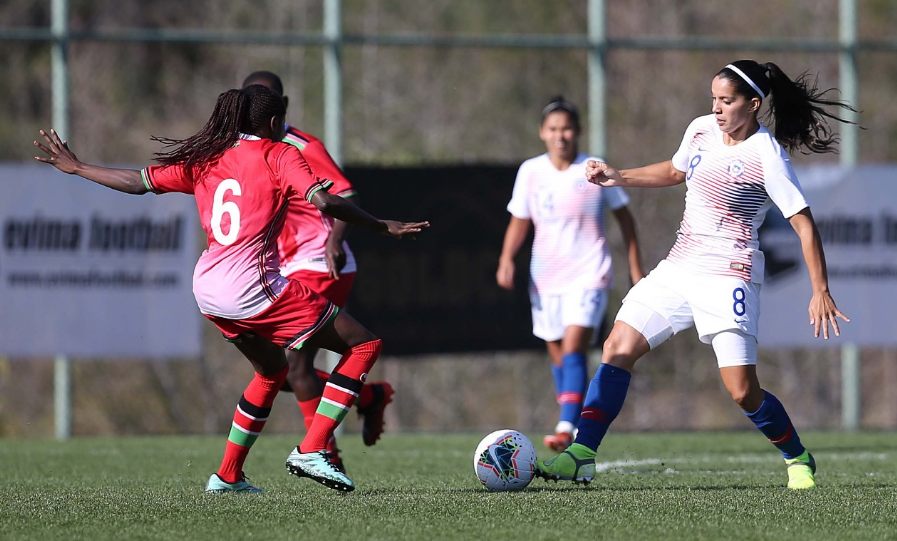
x=236, y=111
x=796, y=107
x=219, y=134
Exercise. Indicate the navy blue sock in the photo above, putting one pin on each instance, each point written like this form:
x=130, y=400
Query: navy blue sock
x=573, y=386
x=604, y=400
x=557, y=373
x=772, y=419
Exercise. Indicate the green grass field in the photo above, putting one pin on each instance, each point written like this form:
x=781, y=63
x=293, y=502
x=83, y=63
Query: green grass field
x=650, y=486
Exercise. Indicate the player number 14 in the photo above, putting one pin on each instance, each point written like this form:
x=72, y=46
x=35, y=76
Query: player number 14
x=220, y=207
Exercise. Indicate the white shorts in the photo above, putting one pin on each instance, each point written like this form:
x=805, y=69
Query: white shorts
x=670, y=300
x=552, y=314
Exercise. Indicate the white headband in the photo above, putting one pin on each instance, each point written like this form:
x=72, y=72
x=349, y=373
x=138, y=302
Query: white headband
x=747, y=79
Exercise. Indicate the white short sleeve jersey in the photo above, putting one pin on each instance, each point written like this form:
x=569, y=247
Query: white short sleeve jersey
x=569, y=249
x=729, y=190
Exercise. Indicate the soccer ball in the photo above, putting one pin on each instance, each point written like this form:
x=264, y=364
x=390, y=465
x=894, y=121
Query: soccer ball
x=505, y=460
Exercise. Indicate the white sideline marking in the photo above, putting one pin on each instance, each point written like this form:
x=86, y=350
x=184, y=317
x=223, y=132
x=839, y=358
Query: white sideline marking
x=605, y=466
x=771, y=457
x=750, y=458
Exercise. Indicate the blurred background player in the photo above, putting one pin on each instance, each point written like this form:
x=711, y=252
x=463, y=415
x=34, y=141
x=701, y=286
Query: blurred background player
x=314, y=251
x=242, y=178
x=570, y=269
x=734, y=170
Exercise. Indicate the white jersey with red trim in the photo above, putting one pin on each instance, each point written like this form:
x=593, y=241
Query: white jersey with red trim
x=729, y=191
x=242, y=201
x=569, y=249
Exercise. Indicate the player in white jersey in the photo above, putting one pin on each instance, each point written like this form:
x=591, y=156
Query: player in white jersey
x=734, y=169
x=570, y=268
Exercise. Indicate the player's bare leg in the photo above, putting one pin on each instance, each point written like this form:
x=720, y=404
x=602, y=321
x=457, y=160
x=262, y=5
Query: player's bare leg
x=307, y=386
x=603, y=402
x=252, y=412
x=360, y=349
x=770, y=417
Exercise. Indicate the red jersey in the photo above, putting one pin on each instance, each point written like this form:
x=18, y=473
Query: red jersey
x=304, y=236
x=242, y=202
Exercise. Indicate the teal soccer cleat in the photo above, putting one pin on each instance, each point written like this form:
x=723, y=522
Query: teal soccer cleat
x=216, y=485
x=318, y=467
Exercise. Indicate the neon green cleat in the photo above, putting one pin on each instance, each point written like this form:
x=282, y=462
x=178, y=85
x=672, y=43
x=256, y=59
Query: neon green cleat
x=216, y=485
x=576, y=463
x=801, y=471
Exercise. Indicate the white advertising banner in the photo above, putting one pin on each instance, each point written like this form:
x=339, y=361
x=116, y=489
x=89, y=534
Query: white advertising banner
x=856, y=212
x=89, y=272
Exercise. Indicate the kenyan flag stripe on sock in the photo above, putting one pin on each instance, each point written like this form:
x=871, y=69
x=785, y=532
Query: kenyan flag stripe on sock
x=332, y=409
x=241, y=436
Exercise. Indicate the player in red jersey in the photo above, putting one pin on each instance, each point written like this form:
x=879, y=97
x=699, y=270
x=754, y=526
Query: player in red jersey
x=313, y=251
x=242, y=177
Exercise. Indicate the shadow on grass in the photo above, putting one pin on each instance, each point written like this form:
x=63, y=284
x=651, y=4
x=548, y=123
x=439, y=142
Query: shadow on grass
x=688, y=488
x=574, y=488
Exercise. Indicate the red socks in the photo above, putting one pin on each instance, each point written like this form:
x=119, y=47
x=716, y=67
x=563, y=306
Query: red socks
x=249, y=419
x=365, y=397
x=342, y=389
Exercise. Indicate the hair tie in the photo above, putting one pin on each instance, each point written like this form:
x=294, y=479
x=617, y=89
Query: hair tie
x=747, y=80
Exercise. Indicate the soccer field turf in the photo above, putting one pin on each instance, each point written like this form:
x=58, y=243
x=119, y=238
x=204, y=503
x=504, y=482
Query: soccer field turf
x=649, y=486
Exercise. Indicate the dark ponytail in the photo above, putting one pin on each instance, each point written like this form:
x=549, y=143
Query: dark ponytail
x=795, y=106
x=800, y=122
x=236, y=111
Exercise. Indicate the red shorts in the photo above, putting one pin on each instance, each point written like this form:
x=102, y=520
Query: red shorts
x=294, y=317
x=335, y=291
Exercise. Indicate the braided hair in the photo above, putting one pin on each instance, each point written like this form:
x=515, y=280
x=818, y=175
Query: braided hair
x=236, y=111
x=795, y=106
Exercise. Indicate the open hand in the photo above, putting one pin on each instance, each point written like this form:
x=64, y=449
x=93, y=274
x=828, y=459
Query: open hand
x=823, y=311
x=335, y=257
x=603, y=174
x=401, y=229
x=58, y=153
x=504, y=276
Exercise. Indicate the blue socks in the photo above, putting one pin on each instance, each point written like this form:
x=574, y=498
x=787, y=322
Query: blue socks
x=773, y=421
x=573, y=387
x=557, y=372
x=603, y=403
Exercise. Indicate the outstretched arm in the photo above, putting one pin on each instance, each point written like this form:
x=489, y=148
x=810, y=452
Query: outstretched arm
x=657, y=175
x=514, y=237
x=630, y=239
x=61, y=157
x=339, y=208
x=334, y=253
x=822, y=308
